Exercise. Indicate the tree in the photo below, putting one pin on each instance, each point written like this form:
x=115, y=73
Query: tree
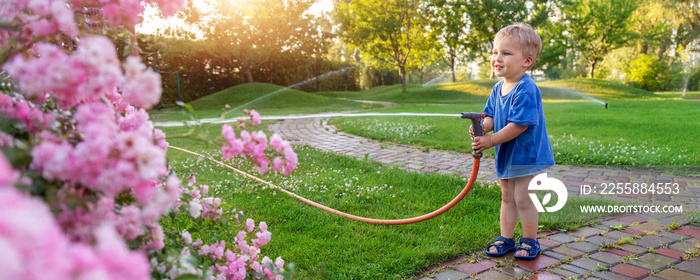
x=385, y=30
x=250, y=32
x=487, y=17
x=595, y=27
x=449, y=24
x=684, y=16
x=653, y=21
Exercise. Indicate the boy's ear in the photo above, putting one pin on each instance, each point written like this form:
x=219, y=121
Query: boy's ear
x=529, y=61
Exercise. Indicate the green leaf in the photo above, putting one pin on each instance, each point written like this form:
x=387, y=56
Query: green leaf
x=187, y=277
x=17, y=157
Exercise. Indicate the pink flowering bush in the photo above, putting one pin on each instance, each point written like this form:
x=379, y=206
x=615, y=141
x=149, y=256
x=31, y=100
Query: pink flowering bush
x=84, y=182
x=253, y=145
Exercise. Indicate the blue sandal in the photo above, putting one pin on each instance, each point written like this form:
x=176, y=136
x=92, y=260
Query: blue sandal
x=502, y=248
x=532, y=251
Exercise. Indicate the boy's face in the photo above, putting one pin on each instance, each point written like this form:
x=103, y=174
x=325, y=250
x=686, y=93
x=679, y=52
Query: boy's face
x=508, y=60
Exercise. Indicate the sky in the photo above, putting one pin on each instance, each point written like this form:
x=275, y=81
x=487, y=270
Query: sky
x=150, y=25
x=321, y=6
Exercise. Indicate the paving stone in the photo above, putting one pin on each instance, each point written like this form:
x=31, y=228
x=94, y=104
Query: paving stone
x=633, y=219
x=678, y=219
x=630, y=271
x=687, y=231
x=685, y=246
x=674, y=274
x=690, y=266
x=653, y=261
x=537, y=264
x=585, y=247
x=574, y=269
x=450, y=274
x=495, y=275
x=586, y=263
x=568, y=252
x=544, y=276
x=633, y=249
x=672, y=236
x=454, y=261
x=475, y=268
x=670, y=253
x=549, y=243
x=563, y=272
x=586, y=232
x=562, y=238
x=615, y=222
x=606, y=257
x=633, y=231
x=610, y=276
x=543, y=234
x=617, y=235
x=555, y=255
x=653, y=241
x=619, y=252
x=650, y=226
x=507, y=258
x=601, y=240
x=426, y=278
x=513, y=271
x=653, y=278
x=602, y=227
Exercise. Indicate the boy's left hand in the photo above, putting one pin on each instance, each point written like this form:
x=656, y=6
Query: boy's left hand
x=482, y=143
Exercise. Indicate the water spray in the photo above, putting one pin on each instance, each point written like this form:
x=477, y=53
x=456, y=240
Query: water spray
x=478, y=131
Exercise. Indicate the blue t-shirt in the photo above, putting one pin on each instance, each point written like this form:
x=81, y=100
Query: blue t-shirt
x=530, y=152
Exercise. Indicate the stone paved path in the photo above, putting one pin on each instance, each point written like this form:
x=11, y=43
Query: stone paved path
x=649, y=247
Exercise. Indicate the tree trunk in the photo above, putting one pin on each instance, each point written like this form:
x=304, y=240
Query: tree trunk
x=663, y=48
x=644, y=48
x=592, y=72
x=249, y=74
x=402, y=77
x=452, y=68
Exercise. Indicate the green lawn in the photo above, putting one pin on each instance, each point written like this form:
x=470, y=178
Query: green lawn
x=582, y=133
x=326, y=246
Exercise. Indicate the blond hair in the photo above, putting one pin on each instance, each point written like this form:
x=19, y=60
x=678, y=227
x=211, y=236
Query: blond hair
x=529, y=41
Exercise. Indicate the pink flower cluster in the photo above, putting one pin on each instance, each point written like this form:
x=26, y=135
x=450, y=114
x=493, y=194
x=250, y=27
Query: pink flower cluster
x=115, y=154
x=32, y=117
x=128, y=12
x=37, y=18
x=198, y=205
x=42, y=18
x=235, y=263
x=254, y=145
x=33, y=246
x=50, y=71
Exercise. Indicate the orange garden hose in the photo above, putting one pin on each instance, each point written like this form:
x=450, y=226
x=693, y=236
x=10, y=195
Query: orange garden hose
x=443, y=209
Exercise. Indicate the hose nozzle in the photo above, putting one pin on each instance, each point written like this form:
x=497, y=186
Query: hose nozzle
x=477, y=119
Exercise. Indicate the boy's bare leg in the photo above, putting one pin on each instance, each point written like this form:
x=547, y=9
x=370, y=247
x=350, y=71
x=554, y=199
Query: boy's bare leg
x=529, y=217
x=509, y=213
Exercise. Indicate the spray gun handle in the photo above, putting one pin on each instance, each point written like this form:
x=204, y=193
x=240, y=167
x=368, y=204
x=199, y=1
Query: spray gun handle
x=477, y=126
x=477, y=122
